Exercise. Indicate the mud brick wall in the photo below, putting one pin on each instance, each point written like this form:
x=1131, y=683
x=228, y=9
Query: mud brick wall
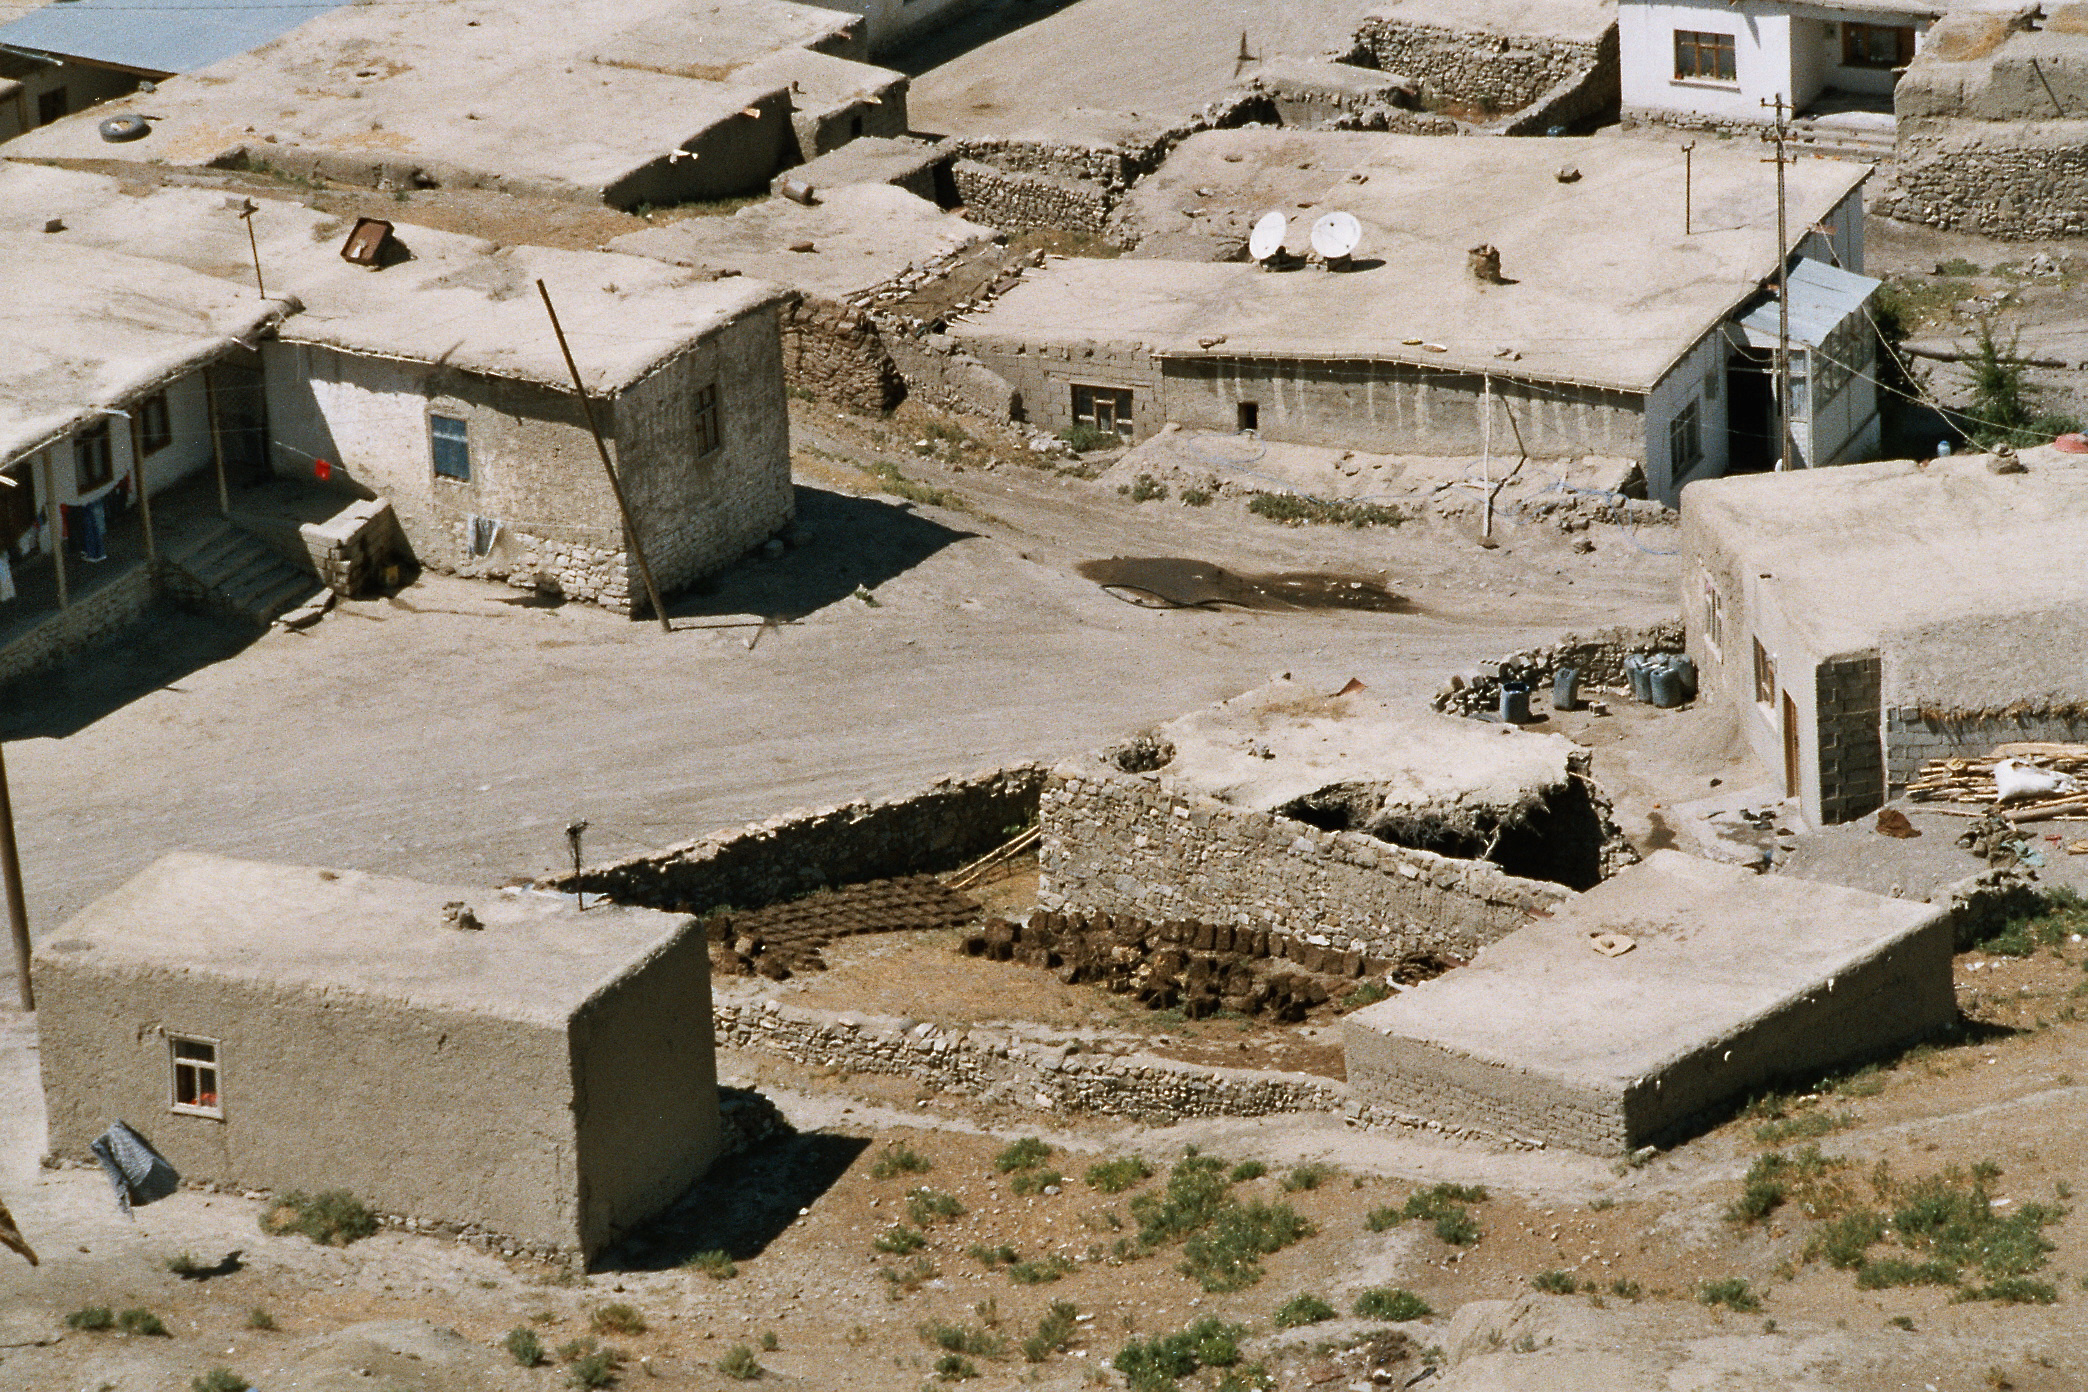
x=837, y=353
x=1914, y=736
x=1496, y=72
x=1130, y=844
x=1020, y=201
x=952, y=821
x=1845, y=715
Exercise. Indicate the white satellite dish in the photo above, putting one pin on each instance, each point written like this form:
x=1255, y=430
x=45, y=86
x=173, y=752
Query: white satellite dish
x=1336, y=235
x=1267, y=238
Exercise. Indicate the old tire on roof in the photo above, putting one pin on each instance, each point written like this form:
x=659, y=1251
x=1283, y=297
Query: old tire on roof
x=118, y=129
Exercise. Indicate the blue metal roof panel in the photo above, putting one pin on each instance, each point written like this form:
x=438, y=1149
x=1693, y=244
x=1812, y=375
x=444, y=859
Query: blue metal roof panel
x=1821, y=297
x=167, y=36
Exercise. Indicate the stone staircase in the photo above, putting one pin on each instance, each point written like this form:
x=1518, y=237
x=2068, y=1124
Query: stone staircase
x=245, y=577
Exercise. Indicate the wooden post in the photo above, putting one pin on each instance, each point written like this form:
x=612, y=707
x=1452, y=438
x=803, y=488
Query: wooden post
x=1486, y=448
x=1783, y=297
x=623, y=508
x=217, y=442
x=138, y=481
x=57, y=525
x=1688, y=188
x=17, y=908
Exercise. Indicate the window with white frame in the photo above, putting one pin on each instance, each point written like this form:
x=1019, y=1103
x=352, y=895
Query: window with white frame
x=193, y=1064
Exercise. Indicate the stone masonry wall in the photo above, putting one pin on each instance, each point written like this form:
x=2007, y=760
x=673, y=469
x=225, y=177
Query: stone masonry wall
x=1914, y=736
x=1494, y=72
x=1131, y=844
x=837, y=353
x=943, y=826
x=2014, y=180
x=1598, y=657
x=1845, y=715
x=1020, y=201
x=82, y=624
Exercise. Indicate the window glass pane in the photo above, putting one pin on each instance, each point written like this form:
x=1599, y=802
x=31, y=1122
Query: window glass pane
x=450, y=444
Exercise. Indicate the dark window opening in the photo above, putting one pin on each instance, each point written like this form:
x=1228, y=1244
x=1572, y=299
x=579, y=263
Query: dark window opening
x=154, y=431
x=1107, y=409
x=1884, y=46
x=1764, y=675
x=1558, y=838
x=709, y=433
x=1685, y=441
x=1704, y=56
x=855, y=127
x=195, y=1076
x=50, y=106
x=93, y=465
x=450, y=443
x=1250, y=415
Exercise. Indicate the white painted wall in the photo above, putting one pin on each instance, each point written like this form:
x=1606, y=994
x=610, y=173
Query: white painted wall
x=1791, y=51
x=1699, y=377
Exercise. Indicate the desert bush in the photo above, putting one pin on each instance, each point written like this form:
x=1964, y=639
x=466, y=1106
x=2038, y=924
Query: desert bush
x=1306, y=1177
x=94, y=1317
x=142, y=1323
x=618, y=1318
x=897, y=1159
x=716, y=1264
x=333, y=1218
x=1054, y=1331
x=220, y=1380
x=898, y=1240
x=523, y=1345
x=1157, y=1364
x=740, y=1364
x=925, y=1206
x=1391, y=1303
x=1301, y=1310
x=1554, y=1282
x=1732, y=1292
x=1115, y=1176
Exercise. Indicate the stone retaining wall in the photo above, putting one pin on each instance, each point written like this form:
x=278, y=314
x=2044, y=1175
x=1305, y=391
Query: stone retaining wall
x=1128, y=844
x=1494, y=72
x=950, y=822
x=2015, y=181
x=1021, y=201
x=82, y=624
x=837, y=353
x=1598, y=657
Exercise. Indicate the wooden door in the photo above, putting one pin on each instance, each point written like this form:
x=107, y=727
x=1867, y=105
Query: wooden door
x=1790, y=744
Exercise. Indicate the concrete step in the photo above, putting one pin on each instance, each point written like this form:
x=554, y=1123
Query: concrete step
x=245, y=576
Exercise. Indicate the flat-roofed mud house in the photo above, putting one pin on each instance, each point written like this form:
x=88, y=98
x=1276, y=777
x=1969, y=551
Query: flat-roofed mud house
x=104, y=402
x=625, y=102
x=433, y=380
x=1860, y=621
x=1593, y=334
x=497, y=1060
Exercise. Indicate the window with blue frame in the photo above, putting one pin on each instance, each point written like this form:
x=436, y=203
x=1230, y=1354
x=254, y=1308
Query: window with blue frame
x=450, y=443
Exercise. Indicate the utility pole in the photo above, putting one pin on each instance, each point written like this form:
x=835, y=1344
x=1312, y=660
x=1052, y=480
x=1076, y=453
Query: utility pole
x=623, y=509
x=1688, y=188
x=1783, y=297
x=17, y=908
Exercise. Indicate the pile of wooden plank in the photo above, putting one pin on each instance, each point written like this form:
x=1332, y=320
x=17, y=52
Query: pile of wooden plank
x=1971, y=782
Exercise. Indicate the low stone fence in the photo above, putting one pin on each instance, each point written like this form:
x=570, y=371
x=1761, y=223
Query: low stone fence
x=1577, y=100
x=1492, y=72
x=1598, y=657
x=1020, y=201
x=941, y=827
x=83, y=623
x=1128, y=844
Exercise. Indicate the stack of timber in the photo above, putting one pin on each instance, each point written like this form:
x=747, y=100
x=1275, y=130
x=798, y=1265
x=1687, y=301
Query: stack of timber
x=1972, y=782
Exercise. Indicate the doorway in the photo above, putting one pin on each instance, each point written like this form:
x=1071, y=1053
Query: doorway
x=1751, y=414
x=1790, y=745
x=239, y=411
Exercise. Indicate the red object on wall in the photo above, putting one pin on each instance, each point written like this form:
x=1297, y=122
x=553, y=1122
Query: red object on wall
x=321, y=470
x=2072, y=444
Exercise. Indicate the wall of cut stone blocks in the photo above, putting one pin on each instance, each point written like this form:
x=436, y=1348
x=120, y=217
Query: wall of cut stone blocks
x=1845, y=722
x=1914, y=736
x=1130, y=844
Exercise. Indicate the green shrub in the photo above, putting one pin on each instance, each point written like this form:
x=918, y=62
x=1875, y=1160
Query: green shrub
x=94, y=1317
x=1844, y=1240
x=955, y=1367
x=897, y=1159
x=1143, y=489
x=1085, y=439
x=334, y=1218
x=1156, y=1364
x=991, y=1257
x=618, y=1318
x=1248, y=1169
x=185, y=1264
x=2011, y=1290
x=716, y=1264
x=1307, y=1177
x=925, y=1206
x=1195, y=1191
x=740, y=1364
x=258, y=1318
x=524, y=1346
x=220, y=1380
x=142, y=1323
x=768, y=1341
x=1732, y=1293
x=1625, y=1290
x=911, y=1277
x=1222, y=1256
x=963, y=1338
x=1804, y=1126
x=1369, y=992
x=1442, y=1205
x=1805, y=1176
x=1295, y=510
x=1196, y=497
x=1038, y=1273
x=1036, y=1181
x=1881, y=1273
x=1456, y=1227
x=898, y=1240
x=1302, y=1309
x=1391, y=1303
x=1025, y=1154
x=1115, y=1176
x=1054, y=1332
x=1957, y=266
x=1554, y=1282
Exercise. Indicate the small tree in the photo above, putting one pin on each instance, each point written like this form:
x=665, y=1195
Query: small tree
x=2004, y=405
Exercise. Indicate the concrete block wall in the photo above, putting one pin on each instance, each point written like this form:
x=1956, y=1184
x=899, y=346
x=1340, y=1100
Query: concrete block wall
x=1130, y=844
x=1914, y=736
x=350, y=550
x=1845, y=721
x=1487, y=1096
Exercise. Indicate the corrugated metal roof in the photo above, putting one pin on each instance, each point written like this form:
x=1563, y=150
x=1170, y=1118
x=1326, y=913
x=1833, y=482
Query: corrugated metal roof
x=156, y=36
x=1821, y=297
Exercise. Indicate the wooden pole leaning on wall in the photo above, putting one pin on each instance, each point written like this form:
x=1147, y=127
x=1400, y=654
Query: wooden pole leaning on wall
x=623, y=508
x=137, y=437
x=57, y=525
x=17, y=908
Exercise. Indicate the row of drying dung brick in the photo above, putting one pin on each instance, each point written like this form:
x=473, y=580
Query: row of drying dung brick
x=782, y=939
